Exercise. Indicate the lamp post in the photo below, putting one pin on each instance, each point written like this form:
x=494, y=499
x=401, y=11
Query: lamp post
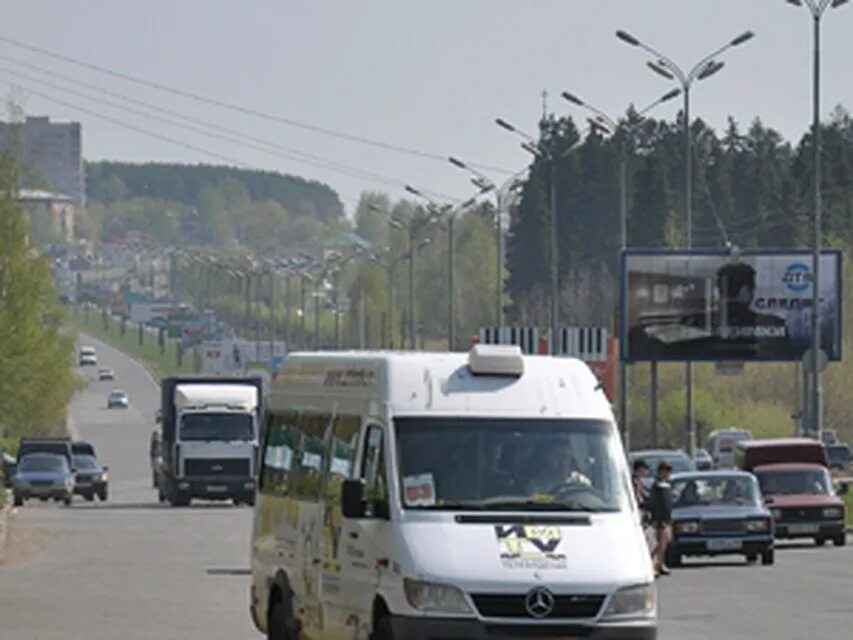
x=412, y=228
x=705, y=68
x=604, y=123
x=503, y=202
x=539, y=149
x=448, y=213
x=817, y=9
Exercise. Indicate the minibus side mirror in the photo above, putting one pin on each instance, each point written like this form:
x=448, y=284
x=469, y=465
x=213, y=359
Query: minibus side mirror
x=353, y=504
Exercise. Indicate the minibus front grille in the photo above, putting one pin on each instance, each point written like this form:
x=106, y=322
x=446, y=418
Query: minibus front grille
x=514, y=606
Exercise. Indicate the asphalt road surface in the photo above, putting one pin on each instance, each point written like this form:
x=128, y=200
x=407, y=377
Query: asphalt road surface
x=132, y=569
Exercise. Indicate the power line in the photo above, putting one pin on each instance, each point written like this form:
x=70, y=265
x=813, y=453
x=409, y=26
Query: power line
x=230, y=135
x=239, y=108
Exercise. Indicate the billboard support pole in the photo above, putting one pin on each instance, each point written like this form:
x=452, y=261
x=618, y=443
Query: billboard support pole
x=623, y=367
x=654, y=401
x=817, y=410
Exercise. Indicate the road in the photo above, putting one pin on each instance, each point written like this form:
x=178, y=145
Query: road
x=128, y=568
x=132, y=569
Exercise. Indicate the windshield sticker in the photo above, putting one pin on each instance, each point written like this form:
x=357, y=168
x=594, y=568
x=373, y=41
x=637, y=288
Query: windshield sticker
x=420, y=490
x=531, y=547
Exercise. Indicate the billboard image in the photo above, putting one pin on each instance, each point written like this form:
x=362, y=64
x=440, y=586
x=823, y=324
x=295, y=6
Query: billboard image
x=713, y=306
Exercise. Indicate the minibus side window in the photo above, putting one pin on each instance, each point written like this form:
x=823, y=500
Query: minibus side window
x=277, y=458
x=373, y=473
x=309, y=464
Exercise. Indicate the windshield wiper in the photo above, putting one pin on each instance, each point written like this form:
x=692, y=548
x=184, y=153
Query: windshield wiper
x=521, y=504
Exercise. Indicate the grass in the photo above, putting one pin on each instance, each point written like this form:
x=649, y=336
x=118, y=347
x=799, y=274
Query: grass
x=163, y=363
x=848, y=503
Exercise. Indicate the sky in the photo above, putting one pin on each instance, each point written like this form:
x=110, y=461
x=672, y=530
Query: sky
x=430, y=77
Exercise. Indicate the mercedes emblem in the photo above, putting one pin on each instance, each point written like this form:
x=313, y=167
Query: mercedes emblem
x=539, y=603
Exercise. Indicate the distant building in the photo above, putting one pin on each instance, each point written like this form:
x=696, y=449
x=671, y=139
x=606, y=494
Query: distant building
x=52, y=154
x=61, y=207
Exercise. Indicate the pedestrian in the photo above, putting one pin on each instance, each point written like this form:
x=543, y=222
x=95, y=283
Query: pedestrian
x=660, y=508
x=639, y=473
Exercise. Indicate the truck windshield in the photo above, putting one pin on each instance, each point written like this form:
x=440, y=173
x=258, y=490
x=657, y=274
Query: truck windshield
x=794, y=481
x=503, y=465
x=216, y=426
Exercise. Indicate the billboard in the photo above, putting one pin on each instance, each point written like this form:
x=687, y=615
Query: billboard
x=717, y=306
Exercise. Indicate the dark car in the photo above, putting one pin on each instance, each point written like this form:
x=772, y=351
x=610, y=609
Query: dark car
x=839, y=457
x=720, y=513
x=90, y=478
x=802, y=501
x=678, y=460
x=44, y=476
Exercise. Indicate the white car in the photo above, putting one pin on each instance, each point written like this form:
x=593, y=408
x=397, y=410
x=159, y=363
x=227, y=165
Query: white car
x=106, y=374
x=118, y=399
x=87, y=357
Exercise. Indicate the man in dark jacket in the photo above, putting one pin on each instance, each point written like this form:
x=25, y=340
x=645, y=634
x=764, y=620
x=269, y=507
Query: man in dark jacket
x=660, y=508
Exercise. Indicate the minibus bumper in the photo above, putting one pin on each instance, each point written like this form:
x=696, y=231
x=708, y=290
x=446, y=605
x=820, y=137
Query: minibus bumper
x=412, y=628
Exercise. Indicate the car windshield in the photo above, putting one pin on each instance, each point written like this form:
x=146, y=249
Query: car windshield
x=118, y=395
x=715, y=490
x=216, y=426
x=85, y=463
x=678, y=461
x=481, y=464
x=43, y=464
x=791, y=481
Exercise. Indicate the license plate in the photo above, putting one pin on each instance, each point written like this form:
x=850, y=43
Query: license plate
x=217, y=488
x=803, y=528
x=724, y=545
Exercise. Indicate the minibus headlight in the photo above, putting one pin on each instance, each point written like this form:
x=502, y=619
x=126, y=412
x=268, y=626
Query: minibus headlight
x=833, y=513
x=639, y=600
x=435, y=598
x=757, y=526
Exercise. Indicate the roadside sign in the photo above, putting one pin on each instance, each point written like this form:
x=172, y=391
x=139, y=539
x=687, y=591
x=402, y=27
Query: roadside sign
x=823, y=361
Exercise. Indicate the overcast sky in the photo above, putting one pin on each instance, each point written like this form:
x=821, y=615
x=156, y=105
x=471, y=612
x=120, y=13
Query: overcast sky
x=429, y=76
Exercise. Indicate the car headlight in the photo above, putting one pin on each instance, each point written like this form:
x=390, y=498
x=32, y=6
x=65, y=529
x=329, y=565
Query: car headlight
x=688, y=526
x=755, y=526
x=639, y=600
x=832, y=513
x=435, y=598
x=104, y=477
x=777, y=514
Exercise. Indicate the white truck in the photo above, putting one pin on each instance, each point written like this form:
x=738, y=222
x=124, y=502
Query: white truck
x=209, y=439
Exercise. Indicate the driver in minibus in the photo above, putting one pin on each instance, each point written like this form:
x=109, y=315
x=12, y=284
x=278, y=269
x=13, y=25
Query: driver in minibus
x=556, y=467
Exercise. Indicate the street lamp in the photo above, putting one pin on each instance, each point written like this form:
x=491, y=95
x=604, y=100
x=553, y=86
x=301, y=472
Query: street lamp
x=412, y=228
x=817, y=9
x=704, y=69
x=540, y=150
x=448, y=213
x=606, y=124
x=503, y=202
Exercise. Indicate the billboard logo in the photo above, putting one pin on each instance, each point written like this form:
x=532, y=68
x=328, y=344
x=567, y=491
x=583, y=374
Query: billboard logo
x=798, y=277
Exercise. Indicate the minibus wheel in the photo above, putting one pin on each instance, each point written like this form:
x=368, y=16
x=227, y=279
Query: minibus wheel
x=280, y=623
x=383, y=630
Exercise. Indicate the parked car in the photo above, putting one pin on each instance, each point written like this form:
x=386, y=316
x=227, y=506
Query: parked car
x=43, y=476
x=803, y=502
x=839, y=455
x=88, y=357
x=703, y=460
x=90, y=478
x=118, y=399
x=106, y=374
x=719, y=513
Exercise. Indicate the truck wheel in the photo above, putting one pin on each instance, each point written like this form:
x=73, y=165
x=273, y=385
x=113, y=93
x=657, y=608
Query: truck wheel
x=18, y=501
x=103, y=494
x=67, y=501
x=820, y=541
x=768, y=557
x=179, y=499
x=89, y=497
x=752, y=558
x=154, y=479
x=840, y=540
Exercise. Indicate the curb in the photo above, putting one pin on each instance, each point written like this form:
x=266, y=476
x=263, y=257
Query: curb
x=4, y=516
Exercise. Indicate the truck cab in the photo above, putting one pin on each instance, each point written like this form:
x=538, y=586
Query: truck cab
x=209, y=439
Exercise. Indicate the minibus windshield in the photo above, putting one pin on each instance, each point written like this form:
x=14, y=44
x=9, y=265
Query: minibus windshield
x=510, y=464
